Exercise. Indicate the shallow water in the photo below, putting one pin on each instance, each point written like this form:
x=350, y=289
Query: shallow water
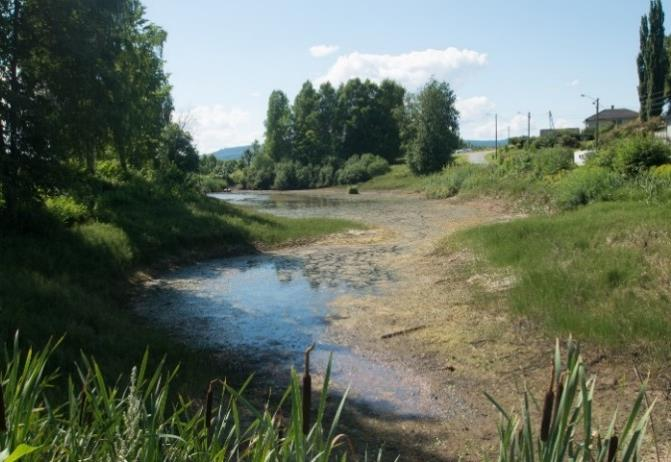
x=268, y=308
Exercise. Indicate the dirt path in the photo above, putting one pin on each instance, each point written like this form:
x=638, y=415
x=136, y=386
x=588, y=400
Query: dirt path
x=447, y=327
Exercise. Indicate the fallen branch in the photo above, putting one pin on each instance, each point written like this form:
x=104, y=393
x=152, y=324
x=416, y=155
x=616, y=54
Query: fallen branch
x=403, y=332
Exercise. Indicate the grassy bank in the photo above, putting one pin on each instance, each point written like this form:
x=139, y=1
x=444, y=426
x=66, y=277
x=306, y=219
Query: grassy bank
x=600, y=272
x=593, y=259
x=68, y=271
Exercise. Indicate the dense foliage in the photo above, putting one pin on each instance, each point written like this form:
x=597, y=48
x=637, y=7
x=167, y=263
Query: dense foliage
x=80, y=81
x=432, y=128
x=346, y=135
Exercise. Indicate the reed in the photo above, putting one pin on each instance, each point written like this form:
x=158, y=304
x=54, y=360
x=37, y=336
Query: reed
x=567, y=429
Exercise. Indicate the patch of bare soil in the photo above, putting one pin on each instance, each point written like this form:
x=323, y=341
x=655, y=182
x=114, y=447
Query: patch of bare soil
x=445, y=323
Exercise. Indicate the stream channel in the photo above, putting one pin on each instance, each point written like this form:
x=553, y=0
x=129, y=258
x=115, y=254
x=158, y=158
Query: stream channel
x=267, y=308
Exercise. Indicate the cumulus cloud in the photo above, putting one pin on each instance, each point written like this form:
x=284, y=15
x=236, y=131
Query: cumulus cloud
x=319, y=51
x=411, y=69
x=216, y=126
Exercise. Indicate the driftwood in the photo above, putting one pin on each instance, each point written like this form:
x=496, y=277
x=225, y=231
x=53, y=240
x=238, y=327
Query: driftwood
x=403, y=332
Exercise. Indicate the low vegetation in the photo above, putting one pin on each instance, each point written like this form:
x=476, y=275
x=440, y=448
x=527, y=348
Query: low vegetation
x=141, y=418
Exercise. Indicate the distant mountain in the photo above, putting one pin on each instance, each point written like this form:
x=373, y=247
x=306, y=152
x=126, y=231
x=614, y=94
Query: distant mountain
x=484, y=143
x=233, y=153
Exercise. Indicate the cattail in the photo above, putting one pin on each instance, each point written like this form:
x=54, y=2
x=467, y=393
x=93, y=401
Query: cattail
x=3, y=421
x=547, y=409
x=307, y=391
x=208, y=407
x=612, y=448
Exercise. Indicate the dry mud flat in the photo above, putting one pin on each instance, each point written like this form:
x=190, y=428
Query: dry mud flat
x=432, y=322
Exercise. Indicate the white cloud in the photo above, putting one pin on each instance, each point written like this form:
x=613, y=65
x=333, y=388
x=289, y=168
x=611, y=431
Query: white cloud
x=216, y=126
x=473, y=108
x=574, y=83
x=411, y=69
x=319, y=51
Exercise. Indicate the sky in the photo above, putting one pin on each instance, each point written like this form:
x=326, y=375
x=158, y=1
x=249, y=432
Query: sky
x=500, y=57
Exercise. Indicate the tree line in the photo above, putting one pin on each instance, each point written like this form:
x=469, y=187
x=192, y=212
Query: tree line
x=81, y=80
x=347, y=135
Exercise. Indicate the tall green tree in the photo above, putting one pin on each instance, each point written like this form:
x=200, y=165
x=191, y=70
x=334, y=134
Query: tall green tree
x=330, y=127
x=306, y=143
x=642, y=69
x=278, y=140
x=387, y=130
x=652, y=62
x=434, y=126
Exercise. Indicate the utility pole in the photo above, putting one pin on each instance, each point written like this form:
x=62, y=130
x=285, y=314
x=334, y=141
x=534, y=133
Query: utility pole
x=596, y=135
x=496, y=135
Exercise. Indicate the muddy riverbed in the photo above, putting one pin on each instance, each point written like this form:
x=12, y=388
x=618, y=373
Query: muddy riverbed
x=416, y=334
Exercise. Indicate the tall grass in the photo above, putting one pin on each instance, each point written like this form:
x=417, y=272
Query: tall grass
x=142, y=420
x=567, y=429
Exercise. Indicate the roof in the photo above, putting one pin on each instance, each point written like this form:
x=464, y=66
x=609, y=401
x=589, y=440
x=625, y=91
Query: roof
x=614, y=114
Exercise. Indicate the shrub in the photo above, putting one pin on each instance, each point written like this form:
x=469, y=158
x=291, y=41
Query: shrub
x=584, y=185
x=551, y=161
x=285, y=176
x=353, y=190
x=361, y=168
x=631, y=156
x=67, y=209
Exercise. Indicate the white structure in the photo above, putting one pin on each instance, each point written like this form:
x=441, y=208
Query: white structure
x=579, y=157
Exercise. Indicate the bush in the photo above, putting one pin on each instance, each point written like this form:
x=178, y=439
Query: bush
x=551, y=161
x=111, y=170
x=585, y=185
x=361, y=168
x=67, y=210
x=353, y=190
x=631, y=156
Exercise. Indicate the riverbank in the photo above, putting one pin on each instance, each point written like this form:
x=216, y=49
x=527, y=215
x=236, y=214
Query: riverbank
x=71, y=272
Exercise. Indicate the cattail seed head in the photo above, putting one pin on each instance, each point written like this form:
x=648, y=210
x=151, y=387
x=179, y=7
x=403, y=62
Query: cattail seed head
x=3, y=418
x=612, y=448
x=548, y=405
x=547, y=415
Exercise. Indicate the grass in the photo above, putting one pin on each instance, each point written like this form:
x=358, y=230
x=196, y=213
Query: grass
x=69, y=271
x=398, y=177
x=600, y=272
x=140, y=418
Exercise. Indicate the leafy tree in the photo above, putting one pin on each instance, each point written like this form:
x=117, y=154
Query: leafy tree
x=178, y=149
x=652, y=62
x=306, y=143
x=389, y=105
x=278, y=142
x=329, y=126
x=434, y=127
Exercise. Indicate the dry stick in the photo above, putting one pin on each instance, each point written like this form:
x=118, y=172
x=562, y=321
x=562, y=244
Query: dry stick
x=404, y=332
x=3, y=421
x=652, y=421
x=307, y=391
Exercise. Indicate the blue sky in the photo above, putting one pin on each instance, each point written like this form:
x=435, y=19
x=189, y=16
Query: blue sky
x=509, y=57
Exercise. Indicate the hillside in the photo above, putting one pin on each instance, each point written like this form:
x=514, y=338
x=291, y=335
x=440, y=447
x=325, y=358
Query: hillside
x=233, y=153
